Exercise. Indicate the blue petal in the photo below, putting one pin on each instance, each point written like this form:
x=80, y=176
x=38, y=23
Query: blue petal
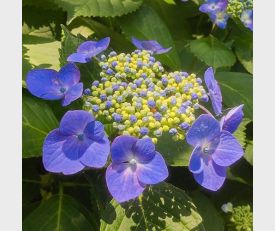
x=154, y=171
x=247, y=19
x=228, y=151
x=151, y=45
x=214, y=91
x=74, y=148
x=54, y=159
x=212, y=177
x=69, y=75
x=122, y=148
x=44, y=83
x=72, y=94
x=204, y=129
x=92, y=48
x=74, y=122
x=123, y=183
x=97, y=153
x=196, y=161
x=79, y=58
x=95, y=130
x=219, y=18
x=232, y=119
x=144, y=150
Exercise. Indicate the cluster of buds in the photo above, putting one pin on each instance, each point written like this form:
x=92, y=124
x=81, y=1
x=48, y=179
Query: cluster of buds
x=141, y=99
x=235, y=8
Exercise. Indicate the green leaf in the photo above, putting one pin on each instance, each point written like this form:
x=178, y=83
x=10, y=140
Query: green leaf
x=213, y=52
x=161, y=207
x=146, y=24
x=237, y=88
x=101, y=8
x=59, y=213
x=39, y=52
x=244, y=52
x=38, y=121
x=175, y=153
x=170, y=2
x=240, y=133
x=248, y=155
x=212, y=219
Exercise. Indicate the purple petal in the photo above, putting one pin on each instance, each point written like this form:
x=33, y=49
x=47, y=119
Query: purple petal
x=228, y=151
x=154, y=171
x=74, y=122
x=219, y=18
x=72, y=94
x=213, y=6
x=95, y=130
x=74, y=148
x=144, y=150
x=214, y=91
x=232, y=119
x=204, y=129
x=196, y=162
x=44, y=83
x=69, y=75
x=97, y=153
x=122, y=148
x=54, y=159
x=122, y=182
x=79, y=58
x=247, y=19
x=212, y=177
x=92, y=48
x=151, y=45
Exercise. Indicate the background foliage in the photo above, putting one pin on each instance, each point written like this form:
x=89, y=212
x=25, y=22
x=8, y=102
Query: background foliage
x=52, y=29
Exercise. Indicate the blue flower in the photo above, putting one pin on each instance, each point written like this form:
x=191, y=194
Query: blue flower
x=79, y=141
x=219, y=18
x=49, y=84
x=89, y=49
x=214, y=150
x=232, y=119
x=213, y=6
x=247, y=19
x=150, y=45
x=135, y=164
x=214, y=91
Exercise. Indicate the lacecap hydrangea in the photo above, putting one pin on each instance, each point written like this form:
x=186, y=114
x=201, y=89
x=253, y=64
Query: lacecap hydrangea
x=141, y=99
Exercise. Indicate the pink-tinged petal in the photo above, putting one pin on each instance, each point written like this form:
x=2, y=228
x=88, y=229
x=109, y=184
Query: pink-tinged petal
x=54, y=159
x=97, y=154
x=44, y=83
x=72, y=94
x=122, y=182
x=231, y=121
x=69, y=75
x=204, y=129
x=144, y=150
x=154, y=171
x=79, y=58
x=228, y=151
x=122, y=149
x=196, y=162
x=212, y=177
x=74, y=122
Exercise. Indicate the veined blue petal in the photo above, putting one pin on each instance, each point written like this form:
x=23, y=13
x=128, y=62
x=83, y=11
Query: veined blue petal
x=232, y=119
x=69, y=75
x=73, y=94
x=144, y=150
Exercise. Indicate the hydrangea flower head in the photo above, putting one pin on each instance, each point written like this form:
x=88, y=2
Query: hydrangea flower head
x=214, y=150
x=79, y=141
x=89, y=49
x=150, y=45
x=247, y=19
x=232, y=119
x=213, y=6
x=49, y=84
x=214, y=90
x=220, y=18
x=135, y=164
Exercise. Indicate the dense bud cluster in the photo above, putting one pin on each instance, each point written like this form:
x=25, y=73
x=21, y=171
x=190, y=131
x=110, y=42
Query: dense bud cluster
x=142, y=99
x=242, y=218
x=236, y=7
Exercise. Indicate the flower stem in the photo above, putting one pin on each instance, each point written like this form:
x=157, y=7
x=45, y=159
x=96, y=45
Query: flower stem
x=205, y=110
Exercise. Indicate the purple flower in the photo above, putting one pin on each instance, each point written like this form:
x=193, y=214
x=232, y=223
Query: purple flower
x=214, y=91
x=219, y=18
x=89, y=49
x=79, y=141
x=247, y=19
x=214, y=150
x=151, y=45
x=213, y=6
x=232, y=119
x=49, y=84
x=135, y=164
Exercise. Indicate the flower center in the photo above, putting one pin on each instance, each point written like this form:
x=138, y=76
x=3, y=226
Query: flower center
x=133, y=161
x=62, y=89
x=206, y=150
x=80, y=137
